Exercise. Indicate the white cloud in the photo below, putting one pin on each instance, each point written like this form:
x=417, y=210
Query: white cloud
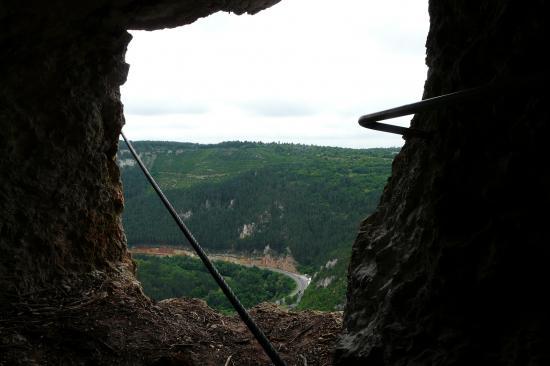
x=302, y=71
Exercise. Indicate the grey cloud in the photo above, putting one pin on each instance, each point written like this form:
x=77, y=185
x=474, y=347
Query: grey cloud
x=152, y=108
x=278, y=108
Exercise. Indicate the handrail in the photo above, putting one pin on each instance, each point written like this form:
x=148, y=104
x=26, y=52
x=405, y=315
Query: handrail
x=511, y=85
x=245, y=316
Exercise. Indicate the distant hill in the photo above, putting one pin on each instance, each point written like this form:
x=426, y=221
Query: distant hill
x=244, y=197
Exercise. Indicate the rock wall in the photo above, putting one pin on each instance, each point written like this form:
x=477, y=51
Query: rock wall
x=452, y=268
x=60, y=117
x=62, y=64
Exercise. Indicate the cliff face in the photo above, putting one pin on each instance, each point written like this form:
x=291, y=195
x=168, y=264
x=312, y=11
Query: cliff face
x=451, y=269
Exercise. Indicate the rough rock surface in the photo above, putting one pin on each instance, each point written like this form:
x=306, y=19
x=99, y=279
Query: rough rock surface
x=60, y=116
x=452, y=269
x=112, y=323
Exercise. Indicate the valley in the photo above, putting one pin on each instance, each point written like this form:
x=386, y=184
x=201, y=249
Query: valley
x=283, y=265
x=296, y=208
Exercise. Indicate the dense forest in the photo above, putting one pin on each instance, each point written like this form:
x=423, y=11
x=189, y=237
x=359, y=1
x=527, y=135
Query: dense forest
x=180, y=276
x=242, y=196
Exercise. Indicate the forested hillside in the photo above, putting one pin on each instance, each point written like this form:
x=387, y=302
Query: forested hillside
x=179, y=276
x=242, y=196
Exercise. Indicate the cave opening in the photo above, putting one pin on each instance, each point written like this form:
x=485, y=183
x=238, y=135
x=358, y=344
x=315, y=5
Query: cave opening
x=227, y=78
x=449, y=270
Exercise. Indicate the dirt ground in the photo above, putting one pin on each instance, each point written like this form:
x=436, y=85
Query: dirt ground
x=111, y=322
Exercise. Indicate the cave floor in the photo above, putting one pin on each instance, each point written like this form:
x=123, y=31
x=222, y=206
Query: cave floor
x=112, y=322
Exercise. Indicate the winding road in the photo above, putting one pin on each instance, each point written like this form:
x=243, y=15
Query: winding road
x=302, y=282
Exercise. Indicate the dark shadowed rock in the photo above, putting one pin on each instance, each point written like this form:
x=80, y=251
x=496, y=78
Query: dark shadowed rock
x=452, y=268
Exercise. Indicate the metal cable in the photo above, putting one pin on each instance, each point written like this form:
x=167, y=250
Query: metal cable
x=245, y=316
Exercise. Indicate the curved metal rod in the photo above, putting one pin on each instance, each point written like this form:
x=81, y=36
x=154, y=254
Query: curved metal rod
x=511, y=85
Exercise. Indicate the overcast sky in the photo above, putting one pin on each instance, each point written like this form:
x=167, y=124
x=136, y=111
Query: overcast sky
x=302, y=71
